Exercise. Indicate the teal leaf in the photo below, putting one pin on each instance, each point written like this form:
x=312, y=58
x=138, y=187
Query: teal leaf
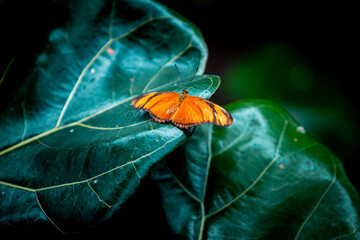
x=72, y=149
x=264, y=177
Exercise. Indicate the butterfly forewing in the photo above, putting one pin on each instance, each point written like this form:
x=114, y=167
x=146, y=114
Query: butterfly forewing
x=147, y=101
x=157, y=104
x=140, y=101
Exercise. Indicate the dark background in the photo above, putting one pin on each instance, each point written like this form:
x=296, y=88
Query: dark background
x=240, y=36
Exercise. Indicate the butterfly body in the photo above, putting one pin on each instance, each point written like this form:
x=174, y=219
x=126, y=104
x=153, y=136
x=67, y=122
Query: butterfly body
x=181, y=110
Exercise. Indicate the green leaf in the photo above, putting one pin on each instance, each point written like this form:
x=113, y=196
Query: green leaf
x=263, y=177
x=280, y=72
x=72, y=149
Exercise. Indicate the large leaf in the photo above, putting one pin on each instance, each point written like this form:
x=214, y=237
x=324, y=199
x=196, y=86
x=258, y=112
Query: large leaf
x=72, y=149
x=263, y=177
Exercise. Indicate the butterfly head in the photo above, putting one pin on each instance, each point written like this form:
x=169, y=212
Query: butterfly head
x=183, y=95
x=185, y=91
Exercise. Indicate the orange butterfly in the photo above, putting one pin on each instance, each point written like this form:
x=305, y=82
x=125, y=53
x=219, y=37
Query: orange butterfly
x=182, y=110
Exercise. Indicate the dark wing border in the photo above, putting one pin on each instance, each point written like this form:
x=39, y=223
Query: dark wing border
x=226, y=113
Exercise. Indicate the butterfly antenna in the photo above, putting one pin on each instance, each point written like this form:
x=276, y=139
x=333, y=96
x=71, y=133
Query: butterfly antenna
x=182, y=81
x=192, y=77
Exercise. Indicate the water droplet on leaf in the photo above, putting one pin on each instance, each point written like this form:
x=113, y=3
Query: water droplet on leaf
x=301, y=129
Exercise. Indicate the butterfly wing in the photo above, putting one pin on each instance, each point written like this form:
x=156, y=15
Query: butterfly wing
x=192, y=111
x=160, y=105
x=195, y=111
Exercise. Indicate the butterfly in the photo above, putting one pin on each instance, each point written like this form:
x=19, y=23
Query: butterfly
x=182, y=110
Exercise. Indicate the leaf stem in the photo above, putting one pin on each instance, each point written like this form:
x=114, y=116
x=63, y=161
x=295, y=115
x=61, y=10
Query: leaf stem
x=6, y=70
x=203, y=218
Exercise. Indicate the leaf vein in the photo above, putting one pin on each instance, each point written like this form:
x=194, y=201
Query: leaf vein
x=347, y=235
x=237, y=139
x=181, y=184
x=258, y=178
x=6, y=70
x=82, y=74
x=47, y=216
x=112, y=128
x=97, y=195
x=165, y=65
x=318, y=203
x=91, y=178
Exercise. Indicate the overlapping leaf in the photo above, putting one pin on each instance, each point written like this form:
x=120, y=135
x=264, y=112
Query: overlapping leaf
x=263, y=177
x=72, y=148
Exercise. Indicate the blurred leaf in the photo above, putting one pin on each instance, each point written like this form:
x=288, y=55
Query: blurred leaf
x=274, y=71
x=278, y=71
x=263, y=177
x=72, y=149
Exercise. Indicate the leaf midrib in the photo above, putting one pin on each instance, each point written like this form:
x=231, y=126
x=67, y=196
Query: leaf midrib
x=58, y=127
x=81, y=124
x=91, y=178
